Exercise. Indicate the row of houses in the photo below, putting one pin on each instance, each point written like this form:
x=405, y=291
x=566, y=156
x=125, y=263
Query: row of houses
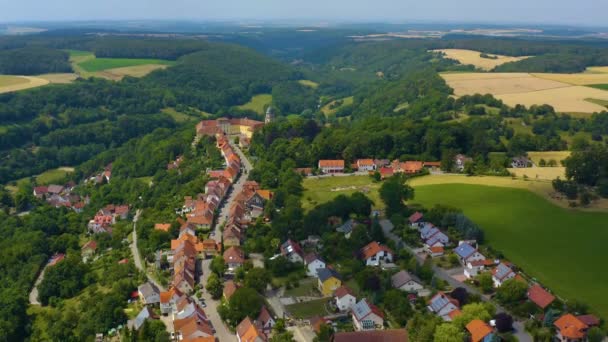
x=61, y=196
x=385, y=167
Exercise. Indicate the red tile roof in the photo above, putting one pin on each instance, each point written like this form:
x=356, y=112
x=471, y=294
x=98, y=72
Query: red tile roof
x=571, y=327
x=162, y=226
x=540, y=296
x=390, y=335
x=343, y=291
x=372, y=249
x=331, y=163
x=415, y=217
x=478, y=329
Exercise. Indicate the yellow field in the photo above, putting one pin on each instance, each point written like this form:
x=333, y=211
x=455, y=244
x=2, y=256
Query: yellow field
x=59, y=78
x=540, y=173
x=527, y=89
x=473, y=57
x=135, y=71
x=597, y=70
x=558, y=156
x=15, y=83
x=309, y=83
x=576, y=79
x=257, y=103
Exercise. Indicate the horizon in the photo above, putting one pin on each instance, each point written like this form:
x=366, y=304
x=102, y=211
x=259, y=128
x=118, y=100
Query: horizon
x=584, y=13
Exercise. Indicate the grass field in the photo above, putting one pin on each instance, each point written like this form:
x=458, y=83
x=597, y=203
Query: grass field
x=257, y=103
x=600, y=86
x=473, y=58
x=45, y=178
x=528, y=89
x=309, y=83
x=308, y=309
x=558, y=156
x=327, y=110
x=322, y=190
x=562, y=248
x=100, y=64
x=178, y=116
x=540, y=173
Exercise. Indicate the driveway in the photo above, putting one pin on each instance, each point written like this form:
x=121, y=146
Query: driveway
x=448, y=275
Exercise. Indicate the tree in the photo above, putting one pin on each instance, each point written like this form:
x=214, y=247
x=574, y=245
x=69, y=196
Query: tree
x=461, y=295
x=394, y=192
x=485, y=282
x=504, y=322
x=511, y=291
x=218, y=265
x=325, y=333
x=244, y=302
x=257, y=279
x=214, y=286
x=448, y=332
x=422, y=327
x=595, y=334
x=286, y=336
x=397, y=304
x=481, y=311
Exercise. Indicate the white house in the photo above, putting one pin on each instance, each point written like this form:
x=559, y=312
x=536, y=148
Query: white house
x=265, y=320
x=502, y=273
x=367, y=316
x=331, y=166
x=406, y=282
x=148, y=293
x=366, y=165
x=292, y=251
x=345, y=299
x=467, y=253
x=443, y=306
x=375, y=254
x=472, y=268
x=313, y=263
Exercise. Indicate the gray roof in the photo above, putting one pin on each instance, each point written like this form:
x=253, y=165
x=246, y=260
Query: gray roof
x=141, y=318
x=148, y=289
x=326, y=273
x=464, y=250
x=438, y=302
x=361, y=309
x=502, y=271
x=347, y=227
x=400, y=278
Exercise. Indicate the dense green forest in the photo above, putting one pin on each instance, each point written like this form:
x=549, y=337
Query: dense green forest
x=33, y=61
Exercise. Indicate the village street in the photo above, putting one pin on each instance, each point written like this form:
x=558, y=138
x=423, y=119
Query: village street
x=518, y=327
x=135, y=252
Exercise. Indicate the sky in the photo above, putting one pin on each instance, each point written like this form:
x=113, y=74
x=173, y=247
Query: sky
x=570, y=12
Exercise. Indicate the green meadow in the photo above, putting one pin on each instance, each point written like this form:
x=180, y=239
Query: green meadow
x=564, y=249
x=257, y=103
x=100, y=64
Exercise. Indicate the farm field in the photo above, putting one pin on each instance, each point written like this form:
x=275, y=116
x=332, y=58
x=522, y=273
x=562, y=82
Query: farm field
x=309, y=83
x=527, y=89
x=558, y=156
x=101, y=64
x=257, y=103
x=327, y=110
x=550, y=243
x=10, y=83
x=473, y=57
x=45, y=178
x=87, y=65
x=540, y=173
x=60, y=78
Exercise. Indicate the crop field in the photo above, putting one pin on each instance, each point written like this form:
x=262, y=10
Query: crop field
x=550, y=243
x=101, y=64
x=527, y=89
x=309, y=83
x=540, y=173
x=59, y=78
x=257, y=103
x=558, y=156
x=576, y=79
x=15, y=83
x=473, y=58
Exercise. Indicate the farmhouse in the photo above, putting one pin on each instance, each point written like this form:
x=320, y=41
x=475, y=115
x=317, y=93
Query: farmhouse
x=331, y=166
x=313, y=263
x=345, y=298
x=367, y=316
x=375, y=254
x=404, y=281
x=520, y=162
x=502, y=273
x=365, y=165
x=480, y=331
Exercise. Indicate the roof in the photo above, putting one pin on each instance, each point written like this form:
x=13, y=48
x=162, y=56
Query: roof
x=454, y=313
x=412, y=166
x=165, y=297
x=390, y=335
x=400, y=278
x=162, y=226
x=248, y=332
x=464, y=250
x=290, y=247
x=437, y=249
x=372, y=249
x=147, y=289
x=502, y=271
x=55, y=189
x=571, y=327
x=365, y=162
x=230, y=288
x=331, y=163
x=141, y=317
x=386, y=171
x=326, y=273
x=478, y=329
x=439, y=301
x=234, y=255
x=432, y=164
x=540, y=296
x=265, y=194
x=90, y=245
x=590, y=320
x=364, y=309
x=343, y=291
x=415, y=217
x=264, y=315
x=347, y=227
x=310, y=257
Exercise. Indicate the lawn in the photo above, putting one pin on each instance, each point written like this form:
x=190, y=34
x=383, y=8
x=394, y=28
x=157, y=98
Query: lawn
x=178, y=116
x=257, y=103
x=328, y=110
x=308, y=309
x=564, y=249
x=100, y=64
x=321, y=190
x=558, y=156
x=309, y=83
x=599, y=86
x=54, y=175
x=308, y=287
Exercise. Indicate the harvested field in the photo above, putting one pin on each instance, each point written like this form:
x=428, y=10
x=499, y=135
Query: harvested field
x=15, y=83
x=331, y=107
x=540, y=173
x=473, y=57
x=60, y=78
x=528, y=90
x=576, y=79
x=597, y=70
x=134, y=71
x=558, y=156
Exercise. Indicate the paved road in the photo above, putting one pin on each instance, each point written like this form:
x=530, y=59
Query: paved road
x=222, y=332
x=135, y=253
x=519, y=330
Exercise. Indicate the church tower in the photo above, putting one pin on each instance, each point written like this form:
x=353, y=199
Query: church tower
x=269, y=115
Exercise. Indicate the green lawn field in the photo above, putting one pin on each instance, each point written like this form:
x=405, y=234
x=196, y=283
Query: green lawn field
x=308, y=309
x=564, y=249
x=321, y=190
x=257, y=103
x=100, y=64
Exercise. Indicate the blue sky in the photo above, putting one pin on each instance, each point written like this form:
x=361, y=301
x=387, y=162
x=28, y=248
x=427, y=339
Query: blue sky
x=581, y=12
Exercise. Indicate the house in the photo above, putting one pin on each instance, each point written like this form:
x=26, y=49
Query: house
x=460, y=160
x=416, y=218
x=141, y=317
x=473, y=268
x=345, y=298
x=386, y=172
x=210, y=248
x=292, y=251
x=570, y=328
x=520, y=162
x=162, y=226
x=331, y=166
x=443, y=305
x=313, y=263
x=375, y=254
x=232, y=235
x=411, y=167
x=433, y=166
x=589, y=320
x=230, y=288
x=347, y=228
x=234, y=257
x=468, y=253
x=540, y=296
x=193, y=328
x=54, y=189
x=89, y=249
x=40, y=191
x=247, y=331
x=480, y=331
x=366, y=165
x=439, y=239
x=265, y=320
x=168, y=300
x=404, y=281
x=329, y=281
x=502, y=273
x=367, y=316
x=436, y=250
x=389, y=335
x=148, y=293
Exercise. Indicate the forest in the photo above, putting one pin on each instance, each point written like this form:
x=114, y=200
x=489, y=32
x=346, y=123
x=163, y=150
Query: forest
x=33, y=61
